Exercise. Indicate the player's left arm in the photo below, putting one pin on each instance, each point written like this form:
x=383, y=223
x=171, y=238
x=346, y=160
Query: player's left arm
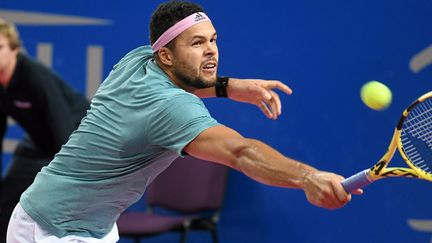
x=258, y=92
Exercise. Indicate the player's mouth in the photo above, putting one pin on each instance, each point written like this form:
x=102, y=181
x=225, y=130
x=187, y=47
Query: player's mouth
x=210, y=67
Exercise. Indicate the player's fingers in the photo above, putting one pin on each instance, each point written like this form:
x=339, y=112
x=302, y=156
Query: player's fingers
x=340, y=194
x=357, y=192
x=275, y=84
x=264, y=94
x=277, y=102
x=273, y=105
x=325, y=197
x=263, y=107
x=334, y=204
x=340, y=200
x=331, y=202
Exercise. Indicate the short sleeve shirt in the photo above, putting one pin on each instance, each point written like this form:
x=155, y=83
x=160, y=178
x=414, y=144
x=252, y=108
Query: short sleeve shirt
x=138, y=123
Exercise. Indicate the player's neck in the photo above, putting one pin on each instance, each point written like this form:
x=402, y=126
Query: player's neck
x=176, y=81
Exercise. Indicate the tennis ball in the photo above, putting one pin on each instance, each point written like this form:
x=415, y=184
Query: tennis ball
x=376, y=95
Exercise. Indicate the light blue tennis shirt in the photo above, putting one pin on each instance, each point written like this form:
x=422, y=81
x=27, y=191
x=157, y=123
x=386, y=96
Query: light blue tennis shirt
x=138, y=123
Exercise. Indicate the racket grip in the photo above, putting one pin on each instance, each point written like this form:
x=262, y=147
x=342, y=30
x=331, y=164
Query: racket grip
x=356, y=181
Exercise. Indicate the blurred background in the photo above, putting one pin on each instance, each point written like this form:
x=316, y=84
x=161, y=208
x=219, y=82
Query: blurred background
x=324, y=50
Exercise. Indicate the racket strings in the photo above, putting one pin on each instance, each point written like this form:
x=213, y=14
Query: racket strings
x=419, y=121
x=416, y=136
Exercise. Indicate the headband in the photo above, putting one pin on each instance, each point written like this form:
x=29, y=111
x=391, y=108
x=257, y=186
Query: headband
x=178, y=28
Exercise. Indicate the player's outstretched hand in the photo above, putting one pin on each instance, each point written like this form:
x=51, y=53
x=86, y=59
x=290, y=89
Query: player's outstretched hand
x=324, y=189
x=260, y=93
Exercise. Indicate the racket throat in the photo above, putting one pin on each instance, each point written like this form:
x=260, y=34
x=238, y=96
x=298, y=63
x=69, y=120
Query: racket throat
x=376, y=172
x=395, y=172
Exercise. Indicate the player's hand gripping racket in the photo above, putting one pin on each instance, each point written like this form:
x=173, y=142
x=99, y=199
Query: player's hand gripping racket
x=413, y=138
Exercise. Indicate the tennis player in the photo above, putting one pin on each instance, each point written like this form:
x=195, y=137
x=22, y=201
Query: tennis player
x=147, y=113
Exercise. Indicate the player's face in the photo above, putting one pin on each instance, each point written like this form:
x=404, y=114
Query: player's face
x=7, y=55
x=195, y=57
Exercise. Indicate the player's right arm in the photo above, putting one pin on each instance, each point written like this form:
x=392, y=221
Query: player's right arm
x=266, y=165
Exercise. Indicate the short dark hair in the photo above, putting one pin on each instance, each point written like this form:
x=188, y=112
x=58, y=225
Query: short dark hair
x=168, y=14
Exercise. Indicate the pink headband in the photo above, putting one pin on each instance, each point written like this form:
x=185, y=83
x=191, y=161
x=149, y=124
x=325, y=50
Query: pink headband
x=178, y=28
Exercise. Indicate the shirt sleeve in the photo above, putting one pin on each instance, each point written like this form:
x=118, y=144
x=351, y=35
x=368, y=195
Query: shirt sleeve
x=179, y=121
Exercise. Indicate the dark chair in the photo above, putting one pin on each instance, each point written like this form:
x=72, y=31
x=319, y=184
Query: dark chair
x=186, y=196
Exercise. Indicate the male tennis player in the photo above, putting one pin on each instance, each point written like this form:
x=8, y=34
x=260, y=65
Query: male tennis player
x=146, y=114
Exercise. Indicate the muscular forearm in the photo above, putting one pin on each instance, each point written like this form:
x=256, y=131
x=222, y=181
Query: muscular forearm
x=264, y=164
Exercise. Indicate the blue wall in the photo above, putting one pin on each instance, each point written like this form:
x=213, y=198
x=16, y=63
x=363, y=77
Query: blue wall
x=325, y=51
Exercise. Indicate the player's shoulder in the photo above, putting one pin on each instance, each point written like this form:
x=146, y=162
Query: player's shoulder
x=138, y=55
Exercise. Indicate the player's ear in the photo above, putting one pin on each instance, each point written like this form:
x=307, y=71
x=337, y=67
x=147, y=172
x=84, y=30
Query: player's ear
x=165, y=56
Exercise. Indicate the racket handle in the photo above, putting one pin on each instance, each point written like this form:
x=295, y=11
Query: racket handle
x=357, y=181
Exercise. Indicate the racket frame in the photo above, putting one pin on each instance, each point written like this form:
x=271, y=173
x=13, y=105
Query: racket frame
x=380, y=170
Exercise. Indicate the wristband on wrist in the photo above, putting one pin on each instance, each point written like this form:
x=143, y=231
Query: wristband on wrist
x=221, y=86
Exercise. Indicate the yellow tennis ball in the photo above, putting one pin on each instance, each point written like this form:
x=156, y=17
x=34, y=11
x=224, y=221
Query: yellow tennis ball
x=376, y=95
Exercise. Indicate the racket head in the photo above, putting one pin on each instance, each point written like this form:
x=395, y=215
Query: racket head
x=415, y=136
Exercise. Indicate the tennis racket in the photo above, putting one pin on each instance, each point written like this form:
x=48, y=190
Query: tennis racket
x=413, y=138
